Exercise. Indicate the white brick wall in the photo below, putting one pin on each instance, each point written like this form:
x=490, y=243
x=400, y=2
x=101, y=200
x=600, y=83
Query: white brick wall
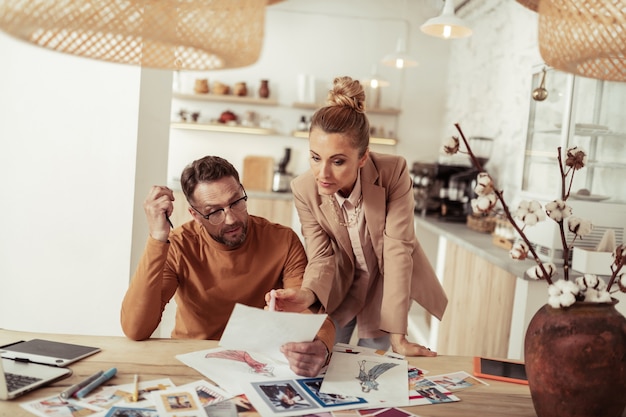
x=488, y=90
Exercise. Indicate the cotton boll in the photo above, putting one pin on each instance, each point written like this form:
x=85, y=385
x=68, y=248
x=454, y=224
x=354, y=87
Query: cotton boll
x=532, y=272
x=519, y=251
x=531, y=219
x=597, y=296
x=562, y=293
x=558, y=210
x=484, y=184
x=578, y=226
x=530, y=212
x=590, y=281
x=535, y=272
x=484, y=203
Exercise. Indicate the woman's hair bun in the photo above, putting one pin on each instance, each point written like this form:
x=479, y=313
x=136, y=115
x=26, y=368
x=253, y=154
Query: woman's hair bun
x=348, y=93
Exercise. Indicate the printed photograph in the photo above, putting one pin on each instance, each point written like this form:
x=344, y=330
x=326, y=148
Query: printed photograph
x=312, y=387
x=179, y=402
x=131, y=412
x=434, y=395
x=282, y=396
x=456, y=381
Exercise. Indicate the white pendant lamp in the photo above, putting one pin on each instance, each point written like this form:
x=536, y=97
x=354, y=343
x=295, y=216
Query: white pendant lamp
x=446, y=25
x=373, y=85
x=399, y=59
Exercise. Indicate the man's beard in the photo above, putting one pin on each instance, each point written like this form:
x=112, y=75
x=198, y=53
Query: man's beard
x=237, y=241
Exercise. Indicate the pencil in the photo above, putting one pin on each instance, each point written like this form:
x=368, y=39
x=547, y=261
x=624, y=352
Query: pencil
x=272, y=306
x=169, y=221
x=136, y=390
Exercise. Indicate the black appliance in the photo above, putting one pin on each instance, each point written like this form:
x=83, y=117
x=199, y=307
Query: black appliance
x=447, y=189
x=456, y=205
x=459, y=182
x=431, y=188
x=282, y=178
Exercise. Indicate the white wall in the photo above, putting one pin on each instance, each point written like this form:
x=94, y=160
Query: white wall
x=488, y=89
x=67, y=129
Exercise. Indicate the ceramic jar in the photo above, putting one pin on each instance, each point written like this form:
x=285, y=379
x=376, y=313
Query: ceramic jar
x=575, y=360
x=240, y=89
x=220, y=88
x=264, y=89
x=201, y=86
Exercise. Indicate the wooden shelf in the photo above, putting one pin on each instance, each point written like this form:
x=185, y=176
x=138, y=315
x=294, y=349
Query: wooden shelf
x=383, y=141
x=226, y=99
x=313, y=106
x=378, y=141
x=218, y=127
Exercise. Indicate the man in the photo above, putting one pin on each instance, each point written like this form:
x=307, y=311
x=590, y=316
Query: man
x=222, y=257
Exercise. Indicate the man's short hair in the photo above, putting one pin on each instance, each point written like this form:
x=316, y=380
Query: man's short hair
x=209, y=168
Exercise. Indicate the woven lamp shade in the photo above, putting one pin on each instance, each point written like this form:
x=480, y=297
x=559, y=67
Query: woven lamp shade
x=530, y=4
x=166, y=34
x=584, y=37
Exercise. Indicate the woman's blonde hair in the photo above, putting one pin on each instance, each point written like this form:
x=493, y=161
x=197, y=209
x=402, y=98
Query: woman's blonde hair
x=345, y=113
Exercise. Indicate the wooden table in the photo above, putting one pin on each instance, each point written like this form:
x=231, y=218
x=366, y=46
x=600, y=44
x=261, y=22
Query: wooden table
x=155, y=358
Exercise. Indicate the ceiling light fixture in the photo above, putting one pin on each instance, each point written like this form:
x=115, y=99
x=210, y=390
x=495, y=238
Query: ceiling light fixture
x=373, y=84
x=399, y=59
x=447, y=25
x=165, y=34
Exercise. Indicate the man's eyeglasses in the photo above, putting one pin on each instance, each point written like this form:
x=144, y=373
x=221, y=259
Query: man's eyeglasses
x=218, y=216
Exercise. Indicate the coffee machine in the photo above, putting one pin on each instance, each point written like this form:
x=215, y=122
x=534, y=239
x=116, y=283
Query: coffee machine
x=459, y=182
x=457, y=204
x=431, y=182
x=282, y=178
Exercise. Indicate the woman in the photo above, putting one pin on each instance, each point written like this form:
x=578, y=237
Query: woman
x=356, y=210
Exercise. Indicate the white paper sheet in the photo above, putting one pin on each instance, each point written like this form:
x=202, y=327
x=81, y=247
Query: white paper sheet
x=263, y=331
x=374, y=378
x=232, y=369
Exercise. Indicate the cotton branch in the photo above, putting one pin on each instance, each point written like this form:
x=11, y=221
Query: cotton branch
x=507, y=212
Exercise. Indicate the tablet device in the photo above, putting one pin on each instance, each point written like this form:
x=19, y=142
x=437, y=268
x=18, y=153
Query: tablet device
x=500, y=369
x=47, y=352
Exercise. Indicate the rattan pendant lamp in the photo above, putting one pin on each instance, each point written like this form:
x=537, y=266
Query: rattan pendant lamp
x=583, y=37
x=165, y=34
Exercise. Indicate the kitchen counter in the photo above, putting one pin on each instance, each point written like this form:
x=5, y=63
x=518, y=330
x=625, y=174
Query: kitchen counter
x=491, y=299
x=479, y=243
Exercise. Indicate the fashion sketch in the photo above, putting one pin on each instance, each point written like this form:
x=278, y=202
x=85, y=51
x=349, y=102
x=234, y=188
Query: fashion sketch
x=368, y=378
x=243, y=356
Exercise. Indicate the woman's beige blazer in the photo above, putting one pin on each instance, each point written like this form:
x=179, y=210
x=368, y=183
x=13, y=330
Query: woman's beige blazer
x=388, y=206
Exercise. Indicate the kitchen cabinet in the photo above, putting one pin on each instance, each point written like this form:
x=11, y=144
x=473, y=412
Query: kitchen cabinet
x=490, y=300
x=582, y=112
x=481, y=295
x=276, y=207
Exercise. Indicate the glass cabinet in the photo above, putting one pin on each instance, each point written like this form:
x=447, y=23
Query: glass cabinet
x=582, y=112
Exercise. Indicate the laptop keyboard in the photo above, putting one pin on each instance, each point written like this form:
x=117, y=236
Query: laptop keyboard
x=15, y=382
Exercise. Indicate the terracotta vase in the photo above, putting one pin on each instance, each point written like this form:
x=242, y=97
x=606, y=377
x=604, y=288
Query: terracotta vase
x=264, y=89
x=576, y=361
